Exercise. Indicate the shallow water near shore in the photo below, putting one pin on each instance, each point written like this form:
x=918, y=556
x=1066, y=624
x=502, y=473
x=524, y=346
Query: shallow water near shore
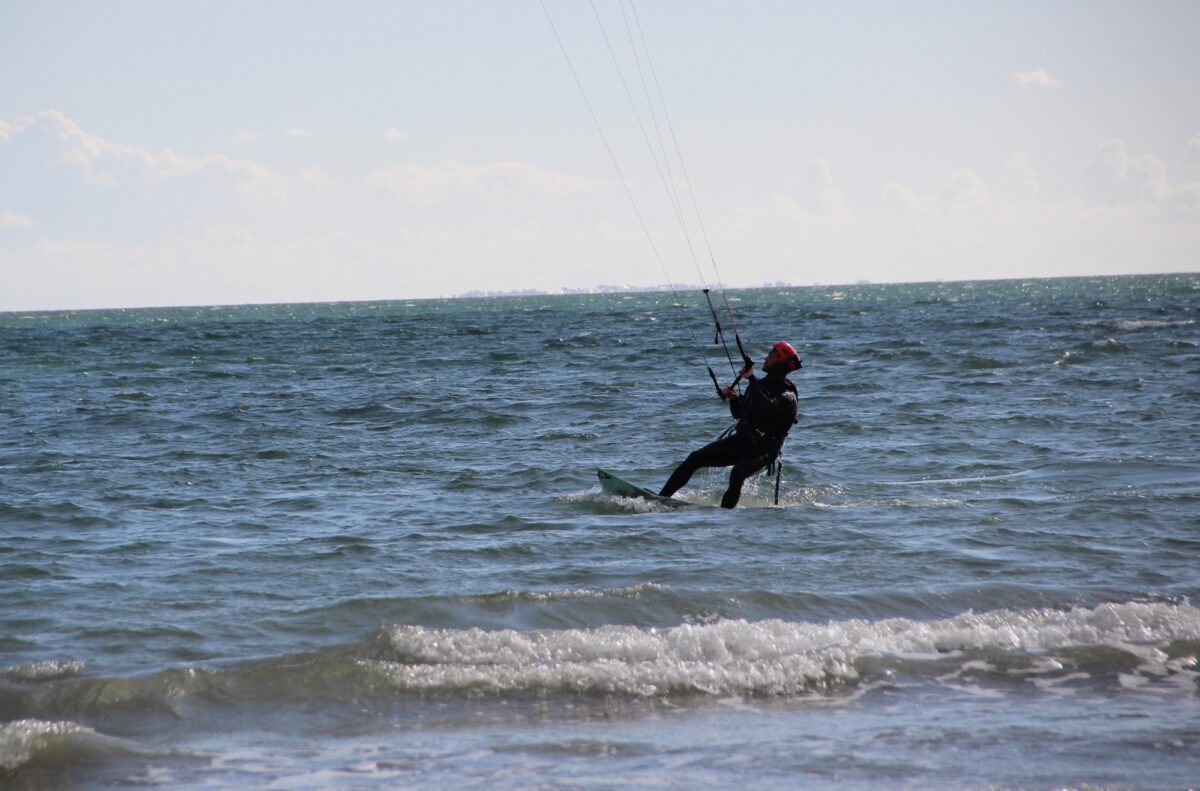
x=341, y=545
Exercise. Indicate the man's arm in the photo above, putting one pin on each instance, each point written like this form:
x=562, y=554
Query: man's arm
x=731, y=395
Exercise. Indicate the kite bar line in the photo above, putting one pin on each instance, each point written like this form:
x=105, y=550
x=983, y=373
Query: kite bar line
x=665, y=173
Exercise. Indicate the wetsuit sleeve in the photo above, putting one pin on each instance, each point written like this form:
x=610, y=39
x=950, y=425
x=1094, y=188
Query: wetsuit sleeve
x=735, y=404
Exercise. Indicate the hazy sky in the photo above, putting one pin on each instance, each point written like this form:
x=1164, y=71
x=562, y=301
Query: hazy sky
x=161, y=153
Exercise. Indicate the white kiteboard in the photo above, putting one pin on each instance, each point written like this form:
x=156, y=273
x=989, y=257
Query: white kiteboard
x=611, y=484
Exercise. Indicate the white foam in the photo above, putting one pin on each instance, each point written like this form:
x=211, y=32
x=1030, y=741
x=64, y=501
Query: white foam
x=611, y=502
x=44, y=671
x=22, y=740
x=732, y=657
x=634, y=591
x=976, y=691
x=1138, y=324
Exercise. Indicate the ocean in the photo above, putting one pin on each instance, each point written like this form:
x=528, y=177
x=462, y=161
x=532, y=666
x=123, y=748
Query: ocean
x=362, y=544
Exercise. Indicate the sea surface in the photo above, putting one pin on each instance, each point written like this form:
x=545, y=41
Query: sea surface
x=362, y=544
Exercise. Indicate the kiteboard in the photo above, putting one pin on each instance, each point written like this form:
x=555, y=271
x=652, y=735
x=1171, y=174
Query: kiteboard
x=619, y=487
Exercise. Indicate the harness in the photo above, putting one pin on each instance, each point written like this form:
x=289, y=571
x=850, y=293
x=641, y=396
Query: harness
x=758, y=437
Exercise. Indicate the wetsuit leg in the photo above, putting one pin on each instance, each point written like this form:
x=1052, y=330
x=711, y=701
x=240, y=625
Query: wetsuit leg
x=738, y=475
x=719, y=453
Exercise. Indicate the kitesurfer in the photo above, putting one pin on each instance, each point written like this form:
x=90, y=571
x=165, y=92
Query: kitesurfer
x=764, y=413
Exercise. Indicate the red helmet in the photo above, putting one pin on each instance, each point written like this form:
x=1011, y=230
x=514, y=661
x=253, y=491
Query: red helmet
x=786, y=356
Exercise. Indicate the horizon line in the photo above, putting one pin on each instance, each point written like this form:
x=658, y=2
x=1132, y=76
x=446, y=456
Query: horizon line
x=599, y=290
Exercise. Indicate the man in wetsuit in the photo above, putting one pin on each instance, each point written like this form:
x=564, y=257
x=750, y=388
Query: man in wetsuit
x=764, y=415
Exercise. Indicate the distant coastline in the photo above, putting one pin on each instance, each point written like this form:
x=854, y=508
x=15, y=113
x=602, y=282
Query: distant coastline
x=595, y=290
x=611, y=289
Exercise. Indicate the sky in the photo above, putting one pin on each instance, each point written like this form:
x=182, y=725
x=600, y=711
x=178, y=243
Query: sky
x=161, y=153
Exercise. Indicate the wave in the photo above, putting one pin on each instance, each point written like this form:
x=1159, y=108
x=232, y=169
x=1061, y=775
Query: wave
x=1131, y=325
x=134, y=395
x=584, y=340
x=596, y=500
x=56, y=744
x=1137, y=643
x=371, y=410
x=1131, y=648
x=634, y=591
x=561, y=434
x=1108, y=345
x=44, y=670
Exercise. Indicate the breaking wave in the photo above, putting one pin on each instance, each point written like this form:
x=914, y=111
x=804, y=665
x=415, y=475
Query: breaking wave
x=1155, y=642
x=52, y=744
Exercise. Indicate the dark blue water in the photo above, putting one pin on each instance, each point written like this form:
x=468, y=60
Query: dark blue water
x=362, y=544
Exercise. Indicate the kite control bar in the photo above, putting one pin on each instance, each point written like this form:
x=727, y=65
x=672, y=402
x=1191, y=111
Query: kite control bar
x=747, y=365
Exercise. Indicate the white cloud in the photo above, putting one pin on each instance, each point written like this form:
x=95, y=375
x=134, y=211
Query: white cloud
x=1117, y=179
x=816, y=192
x=10, y=219
x=1038, y=78
x=395, y=134
x=284, y=252
x=245, y=137
x=1183, y=199
x=238, y=263
x=970, y=227
x=815, y=199
x=1194, y=143
x=780, y=211
x=436, y=183
x=1114, y=178
x=314, y=177
x=296, y=131
x=907, y=205
x=1020, y=181
x=100, y=160
x=10, y=129
x=429, y=229
x=964, y=190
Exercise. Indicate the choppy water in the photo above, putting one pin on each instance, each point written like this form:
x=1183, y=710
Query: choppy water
x=359, y=544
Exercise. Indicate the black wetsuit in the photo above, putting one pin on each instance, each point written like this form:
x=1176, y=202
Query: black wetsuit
x=764, y=413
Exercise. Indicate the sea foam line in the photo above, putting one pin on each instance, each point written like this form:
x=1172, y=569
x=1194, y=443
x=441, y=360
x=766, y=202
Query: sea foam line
x=772, y=657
